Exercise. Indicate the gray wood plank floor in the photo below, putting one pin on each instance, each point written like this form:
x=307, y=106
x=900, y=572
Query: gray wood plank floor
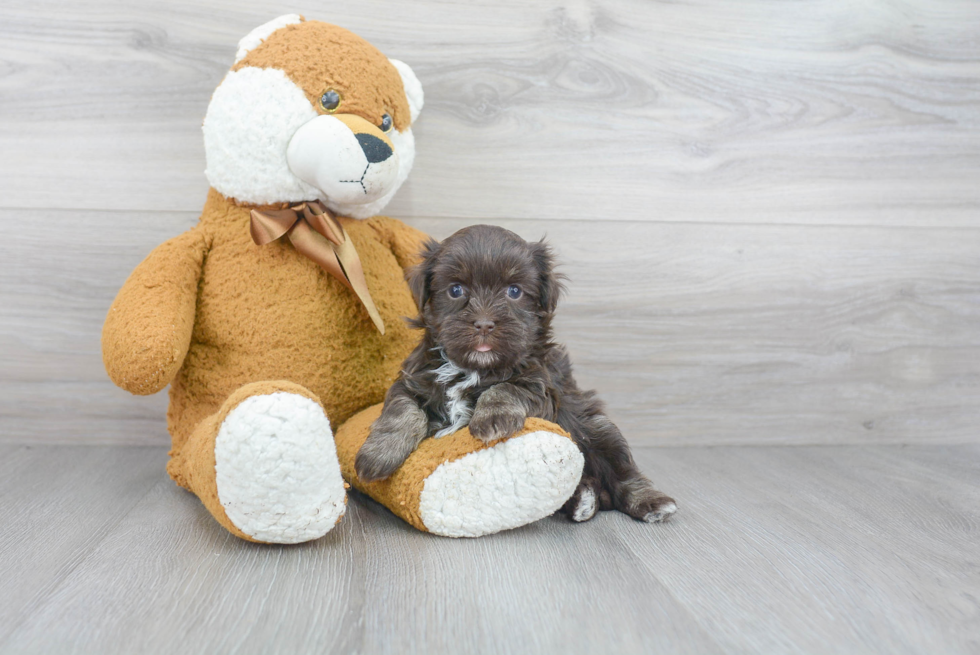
x=861, y=549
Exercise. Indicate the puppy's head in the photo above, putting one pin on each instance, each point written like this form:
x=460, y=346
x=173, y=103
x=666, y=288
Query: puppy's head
x=487, y=296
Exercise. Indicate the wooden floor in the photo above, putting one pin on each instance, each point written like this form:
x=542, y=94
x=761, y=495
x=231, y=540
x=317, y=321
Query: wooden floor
x=824, y=549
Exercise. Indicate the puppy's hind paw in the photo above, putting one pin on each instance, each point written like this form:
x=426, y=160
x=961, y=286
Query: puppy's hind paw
x=662, y=512
x=585, y=509
x=641, y=501
x=584, y=503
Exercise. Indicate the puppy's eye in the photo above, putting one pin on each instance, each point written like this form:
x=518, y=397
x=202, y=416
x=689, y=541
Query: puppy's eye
x=514, y=292
x=455, y=291
x=386, y=123
x=330, y=100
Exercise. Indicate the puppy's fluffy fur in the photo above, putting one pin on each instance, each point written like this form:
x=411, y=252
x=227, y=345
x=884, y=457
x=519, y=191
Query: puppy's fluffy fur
x=486, y=300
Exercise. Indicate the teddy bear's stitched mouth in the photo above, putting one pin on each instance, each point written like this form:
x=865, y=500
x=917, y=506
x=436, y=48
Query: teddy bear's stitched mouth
x=360, y=181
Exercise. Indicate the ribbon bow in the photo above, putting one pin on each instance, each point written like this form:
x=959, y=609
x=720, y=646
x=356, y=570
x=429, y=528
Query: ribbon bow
x=316, y=233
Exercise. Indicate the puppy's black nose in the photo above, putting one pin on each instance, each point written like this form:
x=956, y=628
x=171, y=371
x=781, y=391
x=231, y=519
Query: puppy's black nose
x=485, y=326
x=374, y=148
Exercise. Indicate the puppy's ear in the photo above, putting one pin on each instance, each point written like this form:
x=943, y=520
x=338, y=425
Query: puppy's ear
x=420, y=276
x=550, y=285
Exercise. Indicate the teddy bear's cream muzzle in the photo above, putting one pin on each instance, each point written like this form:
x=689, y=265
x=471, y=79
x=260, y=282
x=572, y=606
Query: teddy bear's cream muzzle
x=347, y=158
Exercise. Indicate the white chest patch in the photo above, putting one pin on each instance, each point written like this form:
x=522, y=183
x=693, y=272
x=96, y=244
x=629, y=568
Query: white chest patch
x=458, y=381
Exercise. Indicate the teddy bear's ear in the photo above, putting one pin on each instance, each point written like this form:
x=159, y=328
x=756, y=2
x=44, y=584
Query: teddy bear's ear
x=413, y=88
x=262, y=32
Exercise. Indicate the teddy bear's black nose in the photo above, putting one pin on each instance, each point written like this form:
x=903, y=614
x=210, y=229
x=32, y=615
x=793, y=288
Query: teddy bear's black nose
x=374, y=148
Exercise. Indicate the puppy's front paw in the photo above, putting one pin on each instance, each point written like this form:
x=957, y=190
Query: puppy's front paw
x=496, y=422
x=396, y=433
x=380, y=456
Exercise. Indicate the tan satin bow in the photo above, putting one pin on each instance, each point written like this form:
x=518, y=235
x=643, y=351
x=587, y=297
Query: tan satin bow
x=316, y=233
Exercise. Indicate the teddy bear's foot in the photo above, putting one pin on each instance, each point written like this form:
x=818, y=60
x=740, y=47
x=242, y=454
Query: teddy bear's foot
x=459, y=486
x=514, y=482
x=266, y=465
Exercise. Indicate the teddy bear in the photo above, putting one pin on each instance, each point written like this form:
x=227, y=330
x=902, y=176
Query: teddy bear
x=277, y=320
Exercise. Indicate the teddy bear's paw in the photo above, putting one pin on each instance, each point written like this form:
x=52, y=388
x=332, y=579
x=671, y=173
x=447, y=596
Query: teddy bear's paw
x=513, y=483
x=277, y=474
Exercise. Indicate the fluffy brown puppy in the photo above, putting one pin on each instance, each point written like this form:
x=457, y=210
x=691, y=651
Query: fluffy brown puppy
x=486, y=300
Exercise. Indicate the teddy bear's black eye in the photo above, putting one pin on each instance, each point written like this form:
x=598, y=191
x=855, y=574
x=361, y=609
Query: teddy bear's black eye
x=514, y=292
x=386, y=123
x=455, y=291
x=330, y=100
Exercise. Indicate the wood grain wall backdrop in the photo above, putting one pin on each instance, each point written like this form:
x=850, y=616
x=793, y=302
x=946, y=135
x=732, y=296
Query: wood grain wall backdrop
x=769, y=210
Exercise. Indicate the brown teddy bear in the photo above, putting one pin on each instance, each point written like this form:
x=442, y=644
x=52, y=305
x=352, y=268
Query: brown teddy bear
x=278, y=318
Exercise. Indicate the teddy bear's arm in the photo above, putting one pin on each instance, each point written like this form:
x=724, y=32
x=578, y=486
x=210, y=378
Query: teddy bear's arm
x=148, y=329
x=404, y=242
